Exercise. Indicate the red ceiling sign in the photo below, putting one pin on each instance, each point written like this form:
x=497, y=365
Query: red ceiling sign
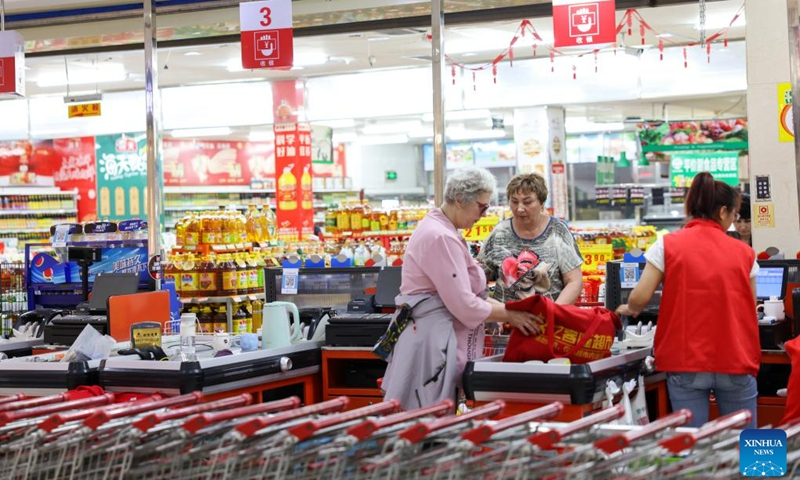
x=582, y=23
x=12, y=63
x=266, y=34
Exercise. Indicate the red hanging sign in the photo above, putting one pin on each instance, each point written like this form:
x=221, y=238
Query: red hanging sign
x=266, y=34
x=580, y=23
x=295, y=209
x=12, y=64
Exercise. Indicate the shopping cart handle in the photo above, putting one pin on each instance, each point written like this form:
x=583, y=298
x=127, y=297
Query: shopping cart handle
x=12, y=398
x=367, y=428
x=33, y=402
x=305, y=430
x=791, y=428
x=250, y=427
x=483, y=433
x=54, y=421
x=615, y=443
x=418, y=432
x=682, y=441
x=94, y=421
x=8, y=417
x=198, y=422
x=149, y=421
x=546, y=440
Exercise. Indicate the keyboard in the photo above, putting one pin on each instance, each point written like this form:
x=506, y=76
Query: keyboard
x=80, y=320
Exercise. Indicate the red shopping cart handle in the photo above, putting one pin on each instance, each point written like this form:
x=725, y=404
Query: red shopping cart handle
x=54, y=421
x=33, y=402
x=8, y=417
x=305, y=430
x=250, y=427
x=483, y=433
x=682, y=441
x=367, y=428
x=418, y=432
x=617, y=442
x=99, y=418
x=12, y=398
x=149, y=421
x=203, y=420
x=546, y=440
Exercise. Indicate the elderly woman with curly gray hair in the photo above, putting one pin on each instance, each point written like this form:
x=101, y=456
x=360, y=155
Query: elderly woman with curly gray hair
x=445, y=289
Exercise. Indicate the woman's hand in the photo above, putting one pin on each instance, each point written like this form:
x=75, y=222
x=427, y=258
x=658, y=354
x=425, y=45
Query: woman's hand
x=526, y=322
x=625, y=310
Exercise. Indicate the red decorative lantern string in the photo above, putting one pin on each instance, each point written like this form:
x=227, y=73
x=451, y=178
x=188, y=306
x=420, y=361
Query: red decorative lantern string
x=453, y=73
x=494, y=74
x=574, y=72
x=641, y=31
x=629, y=20
x=685, y=61
x=552, y=61
x=708, y=51
x=474, y=85
x=660, y=49
x=595, y=61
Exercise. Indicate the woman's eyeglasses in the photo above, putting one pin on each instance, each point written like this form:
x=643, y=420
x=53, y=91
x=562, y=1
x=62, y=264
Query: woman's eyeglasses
x=483, y=206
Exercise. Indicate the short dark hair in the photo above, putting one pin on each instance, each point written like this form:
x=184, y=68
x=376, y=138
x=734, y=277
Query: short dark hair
x=528, y=183
x=744, y=207
x=707, y=196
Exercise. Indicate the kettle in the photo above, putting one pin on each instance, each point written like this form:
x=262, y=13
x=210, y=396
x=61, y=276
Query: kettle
x=275, y=327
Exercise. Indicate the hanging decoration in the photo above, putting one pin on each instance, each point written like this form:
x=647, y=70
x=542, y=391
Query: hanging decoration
x=631, y=15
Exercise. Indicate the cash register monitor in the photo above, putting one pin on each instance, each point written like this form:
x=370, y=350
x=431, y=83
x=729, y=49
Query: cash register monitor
x=108, y=284
x=389, y=279
x=771, y=282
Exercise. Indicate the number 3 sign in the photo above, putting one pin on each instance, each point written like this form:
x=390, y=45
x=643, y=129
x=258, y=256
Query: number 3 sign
x=266, y=34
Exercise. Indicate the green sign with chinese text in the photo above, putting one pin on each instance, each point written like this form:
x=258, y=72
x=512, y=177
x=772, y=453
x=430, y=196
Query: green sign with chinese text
x=723, y=166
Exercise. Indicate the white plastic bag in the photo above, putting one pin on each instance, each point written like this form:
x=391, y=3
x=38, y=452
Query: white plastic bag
x=611, y=391
x=90, y=345
x=627, y=388
x=639, y=405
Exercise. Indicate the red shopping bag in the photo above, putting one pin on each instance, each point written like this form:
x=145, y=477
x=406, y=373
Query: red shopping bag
x=792, y=411
x=579, y=334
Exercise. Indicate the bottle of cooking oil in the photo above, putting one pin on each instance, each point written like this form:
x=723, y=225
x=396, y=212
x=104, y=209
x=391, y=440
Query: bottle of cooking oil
x=230, y=275
x=208, y=284
x=247, y=308
x=239, y=319
x=241, y=228
x=172, y=273
x=180, y=232
x=258, y=314
x=192, y=230
x=189, y=280
x=287, y=189
x=260, y=266
x=243, y=284
x=306, y=195
x=221, y=318
x=343, y=218
x=356, y=215
x=206, y=320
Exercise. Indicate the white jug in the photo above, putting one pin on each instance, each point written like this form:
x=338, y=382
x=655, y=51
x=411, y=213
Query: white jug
x=275, y=327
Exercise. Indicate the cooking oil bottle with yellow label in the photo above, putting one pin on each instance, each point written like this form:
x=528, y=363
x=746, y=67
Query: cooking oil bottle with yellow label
x=306, y=195
x=287, y=189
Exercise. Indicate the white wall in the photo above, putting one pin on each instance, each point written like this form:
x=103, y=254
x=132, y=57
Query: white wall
x=377, y=159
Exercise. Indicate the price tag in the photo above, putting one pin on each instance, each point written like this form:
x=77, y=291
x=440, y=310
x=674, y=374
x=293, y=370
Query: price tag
x=481, y=230
x=596, y=256
x=60, y=236
x=289, y=281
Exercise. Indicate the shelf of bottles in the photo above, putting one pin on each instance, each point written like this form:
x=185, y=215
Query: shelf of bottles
x=178, y=203
x=13, y=298
x=28, y=216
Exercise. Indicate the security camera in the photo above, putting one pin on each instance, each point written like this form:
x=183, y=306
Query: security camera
x=636, y=52
x=372, y=60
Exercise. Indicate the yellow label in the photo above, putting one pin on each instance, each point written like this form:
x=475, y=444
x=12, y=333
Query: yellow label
x=244, y=279
x=230, y=280
x=189, y=282
x=84, y=110
x=192, y=238
x=146, y=337
x=785, y=121
x=174, y=278
x=208, y=281
x=209, y=238
x=765, y=215
x=595, y=256
x=220, y=327
x=481, y=230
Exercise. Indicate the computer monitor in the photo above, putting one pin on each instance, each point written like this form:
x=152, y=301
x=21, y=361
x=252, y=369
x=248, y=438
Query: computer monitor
x=771, y=282
x=108, y=284
x=388, y=287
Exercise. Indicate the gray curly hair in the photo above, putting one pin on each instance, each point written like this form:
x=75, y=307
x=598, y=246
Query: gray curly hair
x=465, y=184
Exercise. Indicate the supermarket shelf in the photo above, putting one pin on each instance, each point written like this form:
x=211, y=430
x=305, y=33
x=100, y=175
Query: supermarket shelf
x=35, y=191
x=371, y=233
x=216, y=189
x=335, y=190
x=190, y=208
x=10, y=213
x=17, y=231
x=233, y=298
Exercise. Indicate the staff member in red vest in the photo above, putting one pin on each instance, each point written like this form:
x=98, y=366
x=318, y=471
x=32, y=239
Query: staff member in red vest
x=707, y=336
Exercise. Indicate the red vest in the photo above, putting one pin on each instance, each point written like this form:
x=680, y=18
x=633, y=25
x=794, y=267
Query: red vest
x=707, y=319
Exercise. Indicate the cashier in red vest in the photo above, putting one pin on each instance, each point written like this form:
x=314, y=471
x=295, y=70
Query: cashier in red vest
x=707, y=333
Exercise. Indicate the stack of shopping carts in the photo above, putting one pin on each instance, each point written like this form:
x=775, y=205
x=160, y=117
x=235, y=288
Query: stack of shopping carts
x=184, y=437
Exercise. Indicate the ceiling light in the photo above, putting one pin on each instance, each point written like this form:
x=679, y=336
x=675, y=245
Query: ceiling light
x=475, y=134
x=461, y=115
x=344, y=137
x=718, y=23
x=382, y=139
x=105, y=73
x=261, y=136
x=297, y=67
x=342, y=123
x=201, y=132
x=309, y=59
x=381, y=38
x=582, y=125
x=192, y=54
x=664, y=35
x=393, y=127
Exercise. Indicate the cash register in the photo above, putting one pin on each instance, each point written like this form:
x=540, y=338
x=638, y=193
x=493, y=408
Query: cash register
x=771, y=281
x=367, y=317
x=63, y=329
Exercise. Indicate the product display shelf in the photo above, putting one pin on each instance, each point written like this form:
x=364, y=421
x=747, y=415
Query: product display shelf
x=204, y=249
x=28, y=212
x=229, y=301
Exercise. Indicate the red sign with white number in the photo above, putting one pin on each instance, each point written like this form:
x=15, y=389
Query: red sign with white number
x=266, y=34
x=582, y=23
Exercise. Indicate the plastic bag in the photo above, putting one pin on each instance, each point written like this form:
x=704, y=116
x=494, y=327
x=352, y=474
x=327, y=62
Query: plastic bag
x=90, y=345
x=627, y=388
x=639, y=405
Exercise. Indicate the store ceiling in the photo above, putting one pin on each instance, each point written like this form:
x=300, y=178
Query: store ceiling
x=370, y=50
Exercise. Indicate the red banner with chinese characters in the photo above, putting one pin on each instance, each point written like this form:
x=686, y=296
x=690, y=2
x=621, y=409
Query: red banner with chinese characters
x=78, y=171
x=266, y=34
x=584, y=23
x=295, y=199
x=208, y=162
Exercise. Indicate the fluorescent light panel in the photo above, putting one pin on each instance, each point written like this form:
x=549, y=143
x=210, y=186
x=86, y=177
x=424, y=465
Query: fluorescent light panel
x=476, y=134
x=391, y=127
x=85, y=75
x=201, y=132
x=382, y=139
